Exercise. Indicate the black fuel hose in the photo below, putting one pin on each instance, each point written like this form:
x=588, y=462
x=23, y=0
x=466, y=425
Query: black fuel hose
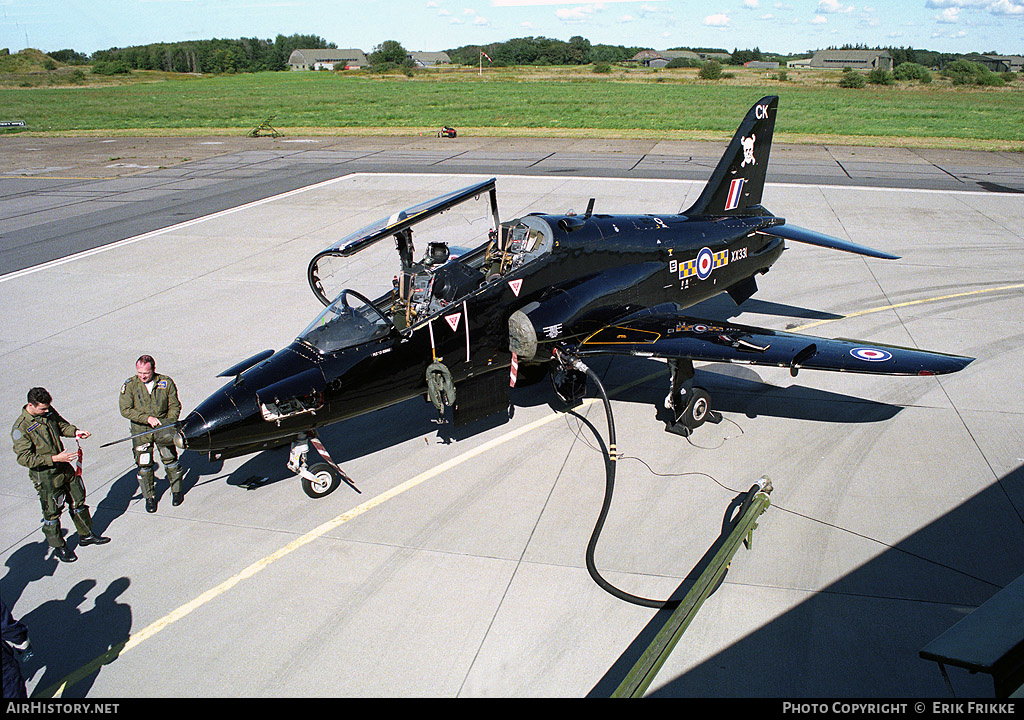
x=609, y=489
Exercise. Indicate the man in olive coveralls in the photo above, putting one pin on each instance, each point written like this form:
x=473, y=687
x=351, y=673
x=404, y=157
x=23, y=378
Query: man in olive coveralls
x=37, y=437
x=150, y=400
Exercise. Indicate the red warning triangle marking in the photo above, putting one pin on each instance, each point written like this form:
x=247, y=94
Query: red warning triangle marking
x=453, y=320
x=516, y=286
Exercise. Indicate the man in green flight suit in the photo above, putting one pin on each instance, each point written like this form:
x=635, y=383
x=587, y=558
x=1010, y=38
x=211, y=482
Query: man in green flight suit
x=37, y=437
x=150, y=400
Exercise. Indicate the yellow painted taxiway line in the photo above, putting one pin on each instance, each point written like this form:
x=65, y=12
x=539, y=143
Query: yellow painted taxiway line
x=149, y=631
x=908, y=304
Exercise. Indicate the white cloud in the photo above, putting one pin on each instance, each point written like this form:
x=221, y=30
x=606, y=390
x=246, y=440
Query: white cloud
x=958, y=35
x=994, y=7
x=751, y=4
x=578, y=13
x=949, y=16
x=819, y=20
x=717, y=20
x=530, y=3
x=573, y=14
x=868, y=19
x=1007, y=7
x=833, y=6
x=957, y=3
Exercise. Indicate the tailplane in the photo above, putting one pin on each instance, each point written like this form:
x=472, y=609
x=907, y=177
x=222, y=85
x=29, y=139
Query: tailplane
x=738, y=181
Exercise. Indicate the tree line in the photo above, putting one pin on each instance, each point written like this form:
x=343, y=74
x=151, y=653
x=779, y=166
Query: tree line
x=198, y=56
x=256, y=54
x=542, y=51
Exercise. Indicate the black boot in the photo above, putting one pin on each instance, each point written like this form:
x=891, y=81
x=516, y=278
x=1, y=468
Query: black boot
x=151, y=505
x=64, y=554
x=93, y=539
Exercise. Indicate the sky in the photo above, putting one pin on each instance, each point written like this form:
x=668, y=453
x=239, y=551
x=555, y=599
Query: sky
x=784, y=26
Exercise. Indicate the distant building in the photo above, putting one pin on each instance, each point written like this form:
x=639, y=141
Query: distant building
x=856, y=59
x=720, y=57
x=799, y=63
x=430, y=59
x=327, y=59
x=661, y=58
x=1003, y=63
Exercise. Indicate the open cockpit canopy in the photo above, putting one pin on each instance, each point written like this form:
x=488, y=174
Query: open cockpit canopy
x=427, y=283
x=396, y=225
x=350, y=320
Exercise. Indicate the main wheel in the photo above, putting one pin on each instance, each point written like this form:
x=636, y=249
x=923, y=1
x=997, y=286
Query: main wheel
x=326, y=481
x=697, y=409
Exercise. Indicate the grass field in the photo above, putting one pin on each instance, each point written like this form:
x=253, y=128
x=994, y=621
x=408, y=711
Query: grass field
x=670, y=104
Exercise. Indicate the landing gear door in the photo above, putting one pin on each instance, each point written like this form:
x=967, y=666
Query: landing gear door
x=296, y=395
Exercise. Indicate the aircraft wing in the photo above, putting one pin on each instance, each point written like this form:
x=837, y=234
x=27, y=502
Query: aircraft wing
x=669, y=335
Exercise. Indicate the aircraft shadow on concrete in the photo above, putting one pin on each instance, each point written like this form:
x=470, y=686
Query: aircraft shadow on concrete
x=860, y=636
x=721, y=307
x=738, y=391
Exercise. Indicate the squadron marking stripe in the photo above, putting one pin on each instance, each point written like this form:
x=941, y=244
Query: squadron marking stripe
x=704, y=264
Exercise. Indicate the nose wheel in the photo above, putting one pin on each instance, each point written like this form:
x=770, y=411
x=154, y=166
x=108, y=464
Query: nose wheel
x=321, y=479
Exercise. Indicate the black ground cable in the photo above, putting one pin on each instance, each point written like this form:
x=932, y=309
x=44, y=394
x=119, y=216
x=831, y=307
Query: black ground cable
x=609, y=489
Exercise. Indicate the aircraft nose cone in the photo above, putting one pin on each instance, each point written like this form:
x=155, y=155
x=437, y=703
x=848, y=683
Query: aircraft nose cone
x=194, y=433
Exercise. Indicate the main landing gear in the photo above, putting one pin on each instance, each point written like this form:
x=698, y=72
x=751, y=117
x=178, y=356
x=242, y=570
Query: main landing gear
x=690, y=406
x=320, y=479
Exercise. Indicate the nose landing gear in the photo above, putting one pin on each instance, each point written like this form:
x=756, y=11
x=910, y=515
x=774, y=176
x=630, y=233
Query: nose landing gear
x=320, y=479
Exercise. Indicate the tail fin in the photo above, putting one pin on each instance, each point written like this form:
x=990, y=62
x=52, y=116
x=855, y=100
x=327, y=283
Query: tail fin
x=738, y=181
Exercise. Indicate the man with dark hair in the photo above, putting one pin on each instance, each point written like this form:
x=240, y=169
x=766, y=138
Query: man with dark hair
x=150, y=400
x=37, y=437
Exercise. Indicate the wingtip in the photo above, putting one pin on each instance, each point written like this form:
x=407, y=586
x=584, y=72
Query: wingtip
x=952, y=364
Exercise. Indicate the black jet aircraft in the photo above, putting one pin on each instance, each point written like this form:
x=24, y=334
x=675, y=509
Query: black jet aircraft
x=543, y=293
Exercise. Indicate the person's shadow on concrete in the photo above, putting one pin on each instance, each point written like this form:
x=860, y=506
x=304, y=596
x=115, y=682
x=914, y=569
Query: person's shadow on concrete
x=74, y=645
